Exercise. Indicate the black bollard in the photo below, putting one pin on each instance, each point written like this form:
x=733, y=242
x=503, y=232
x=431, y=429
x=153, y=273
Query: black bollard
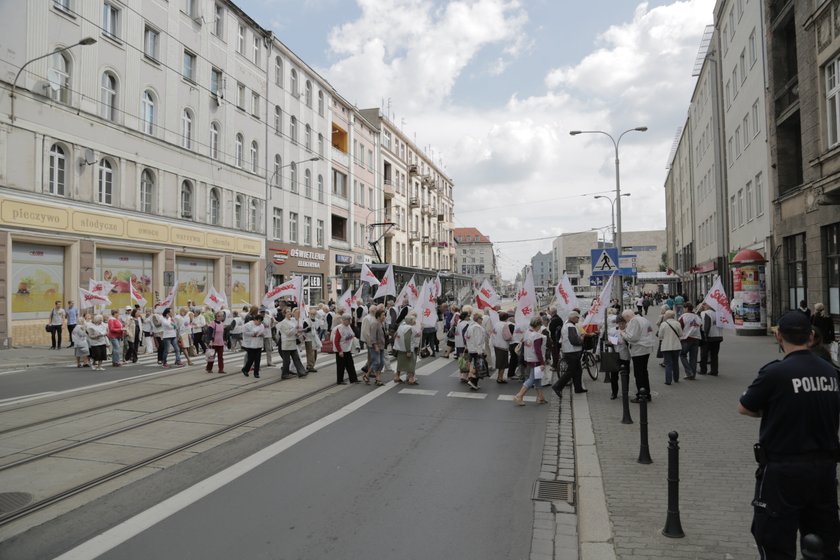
x=625, y=396
x=644, y=449
x=812, y=548
x=673, y=527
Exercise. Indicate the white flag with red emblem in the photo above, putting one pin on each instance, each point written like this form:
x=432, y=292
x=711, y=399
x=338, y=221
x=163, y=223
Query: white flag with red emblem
x=215, y=300
x=428, y=305
x=357, y=297
x=100, y=287
x=487, y=296
x=438, y=286
x=565, y=295
x=386, y=286
x=526, y=304
x=717, y=300
x=168, y=301
x=345, y=301
x=136, y=295
x=598, y=310
x=368, y=276
x=89, y=299
x=289, y=288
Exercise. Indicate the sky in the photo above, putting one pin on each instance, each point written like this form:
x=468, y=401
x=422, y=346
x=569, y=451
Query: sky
x=491, y=88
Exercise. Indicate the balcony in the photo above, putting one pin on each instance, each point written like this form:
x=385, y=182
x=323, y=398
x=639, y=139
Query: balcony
x=414, y=236
x=441, y=217
x=426, y=209
x=340, y=157
x=426, y=240
x=414, y=202
x=412, y=170
x=787, y=98
x=388, y=188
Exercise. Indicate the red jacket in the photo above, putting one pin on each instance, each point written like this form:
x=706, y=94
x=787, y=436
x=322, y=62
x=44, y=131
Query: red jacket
x=115, y=328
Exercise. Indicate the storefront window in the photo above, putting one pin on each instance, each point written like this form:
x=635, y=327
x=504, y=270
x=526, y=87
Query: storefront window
x=831, y=249
x=37, y=280
x=795, y=266
x=241, y=284
x=194, y=276
x=122, y=269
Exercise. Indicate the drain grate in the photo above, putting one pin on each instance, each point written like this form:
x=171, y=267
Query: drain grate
x=554, y=491
x=13, y=501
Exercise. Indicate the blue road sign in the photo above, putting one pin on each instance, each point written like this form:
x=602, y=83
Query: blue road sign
x=604, y=261
x=627, y=265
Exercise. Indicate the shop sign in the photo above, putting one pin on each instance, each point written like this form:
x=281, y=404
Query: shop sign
x=343, y=259
x=281, y=256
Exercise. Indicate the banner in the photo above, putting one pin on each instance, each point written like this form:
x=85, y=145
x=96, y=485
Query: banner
x=428, y=305
x=215, y=300
x=386, y=286
x=88, y=299
x=368, y=276
x=290, y=288
x=100, y=287
x=565, y=295
x=526, y=304
x=487, y=296
x=717, y=300
x=598, y=310
x=136, y=295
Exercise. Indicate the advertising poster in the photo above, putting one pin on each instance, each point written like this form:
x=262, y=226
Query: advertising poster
x=194, y=277
x=749, y=297
x=241, y=284
x=37, y=280
x=122, y=269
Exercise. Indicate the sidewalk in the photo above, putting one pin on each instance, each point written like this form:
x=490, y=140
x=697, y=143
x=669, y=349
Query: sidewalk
x=22, y=357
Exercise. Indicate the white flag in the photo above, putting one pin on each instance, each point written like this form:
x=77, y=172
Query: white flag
x=565, y=295
x=345, y=302
x=597, y=313
x=301, y=301
x=367, y=275
x=494, y=317
x=428, y=305
x=717, y=300
x=100, y=287
x=215, y=300
x=487, y=296
x=89, y=299
x=438, y=286
x=289, y=288
x=526, y=304
x=136, y=295
x=357, y=297
x=168, y=301
x=386, y=286
x=402, y=299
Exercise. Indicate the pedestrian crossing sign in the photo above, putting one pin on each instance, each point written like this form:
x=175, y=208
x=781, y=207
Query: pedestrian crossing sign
x=604, y=261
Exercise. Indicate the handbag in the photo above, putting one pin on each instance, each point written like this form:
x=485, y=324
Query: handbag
x=210, y=355
x=48, y=328
x=481, y=369
x=609, y=362
x=659, y=350
x=463, y=363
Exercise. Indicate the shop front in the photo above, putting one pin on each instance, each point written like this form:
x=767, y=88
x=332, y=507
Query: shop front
x=285, y=260
x=339, y=259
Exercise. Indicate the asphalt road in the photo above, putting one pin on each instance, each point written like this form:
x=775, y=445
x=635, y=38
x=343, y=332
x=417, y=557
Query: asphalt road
x=403, y=476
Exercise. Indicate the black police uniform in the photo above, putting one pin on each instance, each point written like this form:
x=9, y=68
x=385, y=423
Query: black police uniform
x=796, y=481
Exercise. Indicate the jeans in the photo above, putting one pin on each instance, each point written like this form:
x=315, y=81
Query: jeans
x=377, y=360
x=116, y=350
x=165, y=344
x=672, y=365
x=640, y=372
x=688, y=356
x=709, y=354
x=55, y=336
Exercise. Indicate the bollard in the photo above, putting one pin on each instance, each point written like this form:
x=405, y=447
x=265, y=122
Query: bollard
x=625, y=396
x=673, y=527
x=644, y=450
x=812, y=547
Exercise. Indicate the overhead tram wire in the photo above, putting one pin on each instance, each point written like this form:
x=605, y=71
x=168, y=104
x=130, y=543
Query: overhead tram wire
x=534, y=202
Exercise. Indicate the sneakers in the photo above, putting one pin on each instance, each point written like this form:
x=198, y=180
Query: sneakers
x=473, y=384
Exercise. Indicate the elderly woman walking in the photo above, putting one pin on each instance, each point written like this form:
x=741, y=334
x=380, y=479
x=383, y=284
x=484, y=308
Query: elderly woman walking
x=252, y=342
x=475, y=340
x=97, y=333
x=343, y=337
x=640, y=336
x=81, y=345
x=216, y=340
x=670, y=334
x=534, y=343
x=406, y=343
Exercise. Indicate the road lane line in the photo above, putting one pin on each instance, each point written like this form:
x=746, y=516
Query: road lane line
x=12, y=371
x=428, y=392
x=432, y=366
x=457, y=395
x=142, y=521
x=510, y=398
x=24, y=398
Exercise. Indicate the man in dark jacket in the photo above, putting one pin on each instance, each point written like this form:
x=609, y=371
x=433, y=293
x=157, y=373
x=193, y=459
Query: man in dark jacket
x=554, y=326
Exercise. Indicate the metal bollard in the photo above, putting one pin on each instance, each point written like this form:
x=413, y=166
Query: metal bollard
x=625, y=396
x=644, y=449
x=673, y=527
x=812, y=548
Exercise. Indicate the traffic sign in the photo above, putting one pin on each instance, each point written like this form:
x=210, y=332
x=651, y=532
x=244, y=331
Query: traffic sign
x=627, y=265
x=604, y=261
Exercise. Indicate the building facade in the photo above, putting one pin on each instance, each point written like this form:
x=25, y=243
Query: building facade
x=543, y=266
x=572, y=256
x=474, y=255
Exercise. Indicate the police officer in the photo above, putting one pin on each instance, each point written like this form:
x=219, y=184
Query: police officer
x=796, y=481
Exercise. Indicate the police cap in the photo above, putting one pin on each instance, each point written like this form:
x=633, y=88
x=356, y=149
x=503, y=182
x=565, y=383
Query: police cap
x=794, y=322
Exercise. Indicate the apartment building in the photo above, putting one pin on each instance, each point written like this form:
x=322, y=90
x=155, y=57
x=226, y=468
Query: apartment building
x=474, y=255
x=543, y=266
x=679, y=210
x=571, y=253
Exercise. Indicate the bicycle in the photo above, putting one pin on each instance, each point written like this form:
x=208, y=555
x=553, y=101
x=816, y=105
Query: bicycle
x=588, y=359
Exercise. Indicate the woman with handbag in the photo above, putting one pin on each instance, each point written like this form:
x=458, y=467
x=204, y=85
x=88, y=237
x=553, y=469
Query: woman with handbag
x=216, y=340
x=534, y=344
x=97, y=333
x=406, y=343
x=670, y=344
x=475, y=339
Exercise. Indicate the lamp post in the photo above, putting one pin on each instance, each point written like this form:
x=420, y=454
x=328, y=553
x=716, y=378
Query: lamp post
x=617, y=238
x=612, y=211
x=84, y=42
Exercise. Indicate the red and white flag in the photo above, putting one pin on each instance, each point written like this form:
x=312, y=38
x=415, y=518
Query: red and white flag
x=487, y=296
x=565, y=295
x=89, y=299
x=168, y=301
x=137, y=295
x=290, y=288
x=386, y=286
x=428, y=305
x=100, y=287
x=215, y=300
x=598, y=310
x=368, y=276
x=357, y=297
x=345, y=301
x=717, y=300
x=526, y=304
x=438, y=286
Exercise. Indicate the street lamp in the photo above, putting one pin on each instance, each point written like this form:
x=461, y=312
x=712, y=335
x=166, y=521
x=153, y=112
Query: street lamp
x=84, y=42
x=277, y=170
x=612, y=211
x=617, y=238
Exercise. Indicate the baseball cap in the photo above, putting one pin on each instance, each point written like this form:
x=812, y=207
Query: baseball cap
x=794, y=322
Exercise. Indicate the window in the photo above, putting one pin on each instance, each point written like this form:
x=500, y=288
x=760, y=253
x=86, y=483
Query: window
x=796, y=269
x=110, y=20
x=737, y=141
x=293, y=129
x=733, y=216
x=105, y=192
x=759, y=195
x=339, y=184
x=278, y=71
x=239, y=150
x=308, y=94
x=742, y=66
x=277, y=224
x=215, y=207
x=148, y=112
x=215, y=81
x=293, y=227
x=319, y=234
x=239, y=212
x=730, y=153
x=725, y=37
x=731, y=24
x=147, y=191
x=151, y=42
x=320, y=144
x=214, y=140
x=240, y=96
x=321, y=103
x=252, y=219
x=108, y=97
x=255, y=104
x=293, y=85
x=370, y=160
x=240, y=40
x=360, y=199
x=386, y=140
x=831, y=250
x=186, y=129
x=755, y=122
x=753, y=55
x=219, y=20
x=307, y=138
x=293, y=177
x=278, y=120
x=339, y=227
x=734, y=82
x=186, y=200
x=307, y=230
x=320, y=188
x=256, y=49
x=370, y=198
x=255, y=151
x=307, y=184
x=745, y=128
x=62, y=4
x=276, y=177
x=189, y=8
x=748, y=203
x=59, y=77
x=58, y=170
x=832, y=94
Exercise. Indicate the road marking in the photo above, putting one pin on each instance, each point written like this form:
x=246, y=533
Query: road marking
x=25, y=398
x=12, y=371
x=428, y=392
x=510, y=398
x=432, y=366
x=458, y=395
x=142, y=521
